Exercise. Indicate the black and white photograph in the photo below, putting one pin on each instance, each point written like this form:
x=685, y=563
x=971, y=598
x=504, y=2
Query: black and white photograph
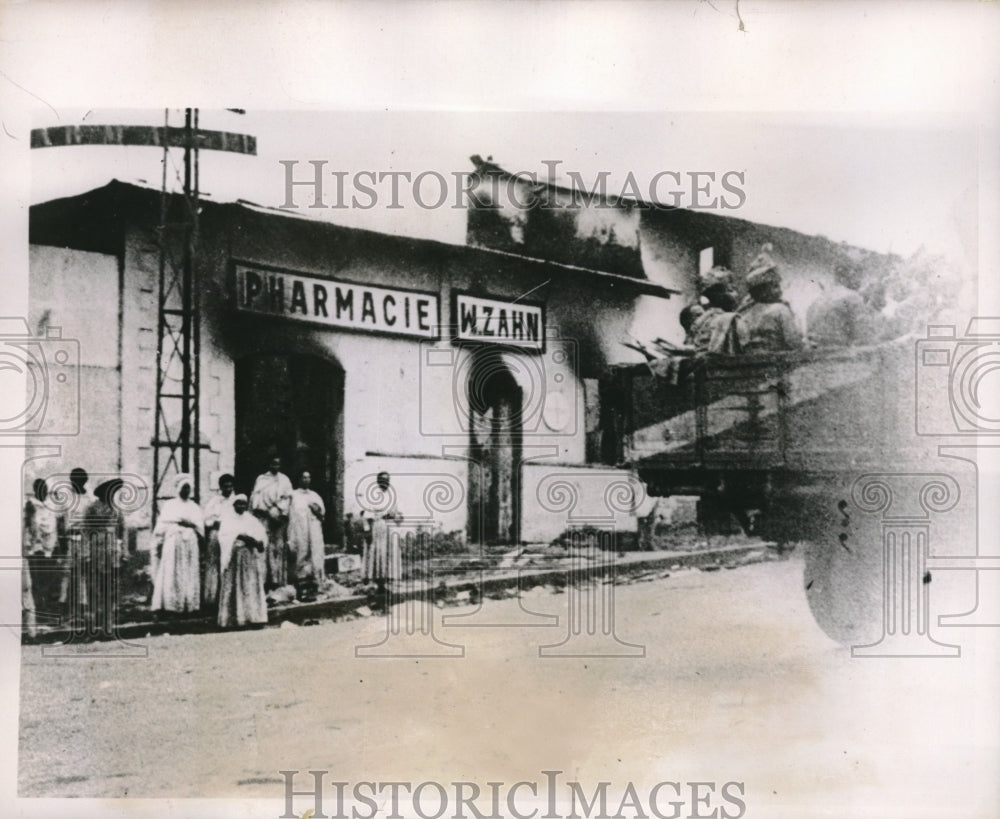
x=501, y=410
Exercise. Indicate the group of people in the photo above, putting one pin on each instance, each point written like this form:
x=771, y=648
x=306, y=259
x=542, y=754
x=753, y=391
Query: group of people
x=228, y=554
x=236, y=550
x=73, y=549
x=763, y=321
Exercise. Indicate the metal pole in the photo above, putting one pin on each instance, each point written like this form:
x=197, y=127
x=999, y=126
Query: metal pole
x=161, y=239
x=195, y=311
x=186, y=308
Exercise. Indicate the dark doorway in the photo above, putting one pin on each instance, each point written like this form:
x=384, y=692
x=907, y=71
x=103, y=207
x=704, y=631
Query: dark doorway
x=495, y=448
x=292, y=406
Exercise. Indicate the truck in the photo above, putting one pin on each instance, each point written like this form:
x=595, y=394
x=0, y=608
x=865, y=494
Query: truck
x=777, y=443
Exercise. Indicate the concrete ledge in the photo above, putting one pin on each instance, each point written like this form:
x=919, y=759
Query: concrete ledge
x=480, y=582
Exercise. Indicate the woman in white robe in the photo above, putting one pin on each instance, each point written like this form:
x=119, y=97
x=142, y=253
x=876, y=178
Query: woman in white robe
x=180, y=526
x=242, y=539
x=382, y=562
x=270, y=500
x=305, y=537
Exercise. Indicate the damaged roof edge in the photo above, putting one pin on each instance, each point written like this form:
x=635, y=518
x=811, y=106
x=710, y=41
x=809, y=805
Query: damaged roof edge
x=641, y=286
x=658, y=209
x=116, y=189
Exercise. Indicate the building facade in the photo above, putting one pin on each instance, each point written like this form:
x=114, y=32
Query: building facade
x=471, y=375
x=474, y=374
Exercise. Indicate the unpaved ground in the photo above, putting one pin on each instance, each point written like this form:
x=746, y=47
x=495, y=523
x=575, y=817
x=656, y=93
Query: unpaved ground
x=736, y=682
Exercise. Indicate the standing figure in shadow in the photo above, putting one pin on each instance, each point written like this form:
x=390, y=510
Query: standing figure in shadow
x=382, y=562
x=271, y=501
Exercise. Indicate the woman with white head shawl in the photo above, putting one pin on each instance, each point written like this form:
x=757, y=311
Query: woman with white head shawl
x=242, y=538
x=180, y=526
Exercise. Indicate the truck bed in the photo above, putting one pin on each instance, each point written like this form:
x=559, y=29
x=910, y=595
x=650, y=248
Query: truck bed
x=814, y=411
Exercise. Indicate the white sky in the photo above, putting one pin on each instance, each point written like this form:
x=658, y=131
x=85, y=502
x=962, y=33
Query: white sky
x=885, y=182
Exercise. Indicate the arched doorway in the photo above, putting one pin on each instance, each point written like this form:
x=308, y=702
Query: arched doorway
x=495, y=425
x=291, y=405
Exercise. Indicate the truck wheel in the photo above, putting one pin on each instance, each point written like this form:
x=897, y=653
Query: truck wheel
x=843, y=568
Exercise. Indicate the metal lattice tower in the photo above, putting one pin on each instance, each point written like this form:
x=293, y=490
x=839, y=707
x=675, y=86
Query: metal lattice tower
x=176, y=440
x=177, y=436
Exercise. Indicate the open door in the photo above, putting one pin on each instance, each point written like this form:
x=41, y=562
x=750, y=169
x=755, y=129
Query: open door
x=495, y=402
x=291, y=405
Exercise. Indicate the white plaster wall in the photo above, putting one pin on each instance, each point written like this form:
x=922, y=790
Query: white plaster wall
x=558, y=497
x=75, y=294
x=427, y=491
